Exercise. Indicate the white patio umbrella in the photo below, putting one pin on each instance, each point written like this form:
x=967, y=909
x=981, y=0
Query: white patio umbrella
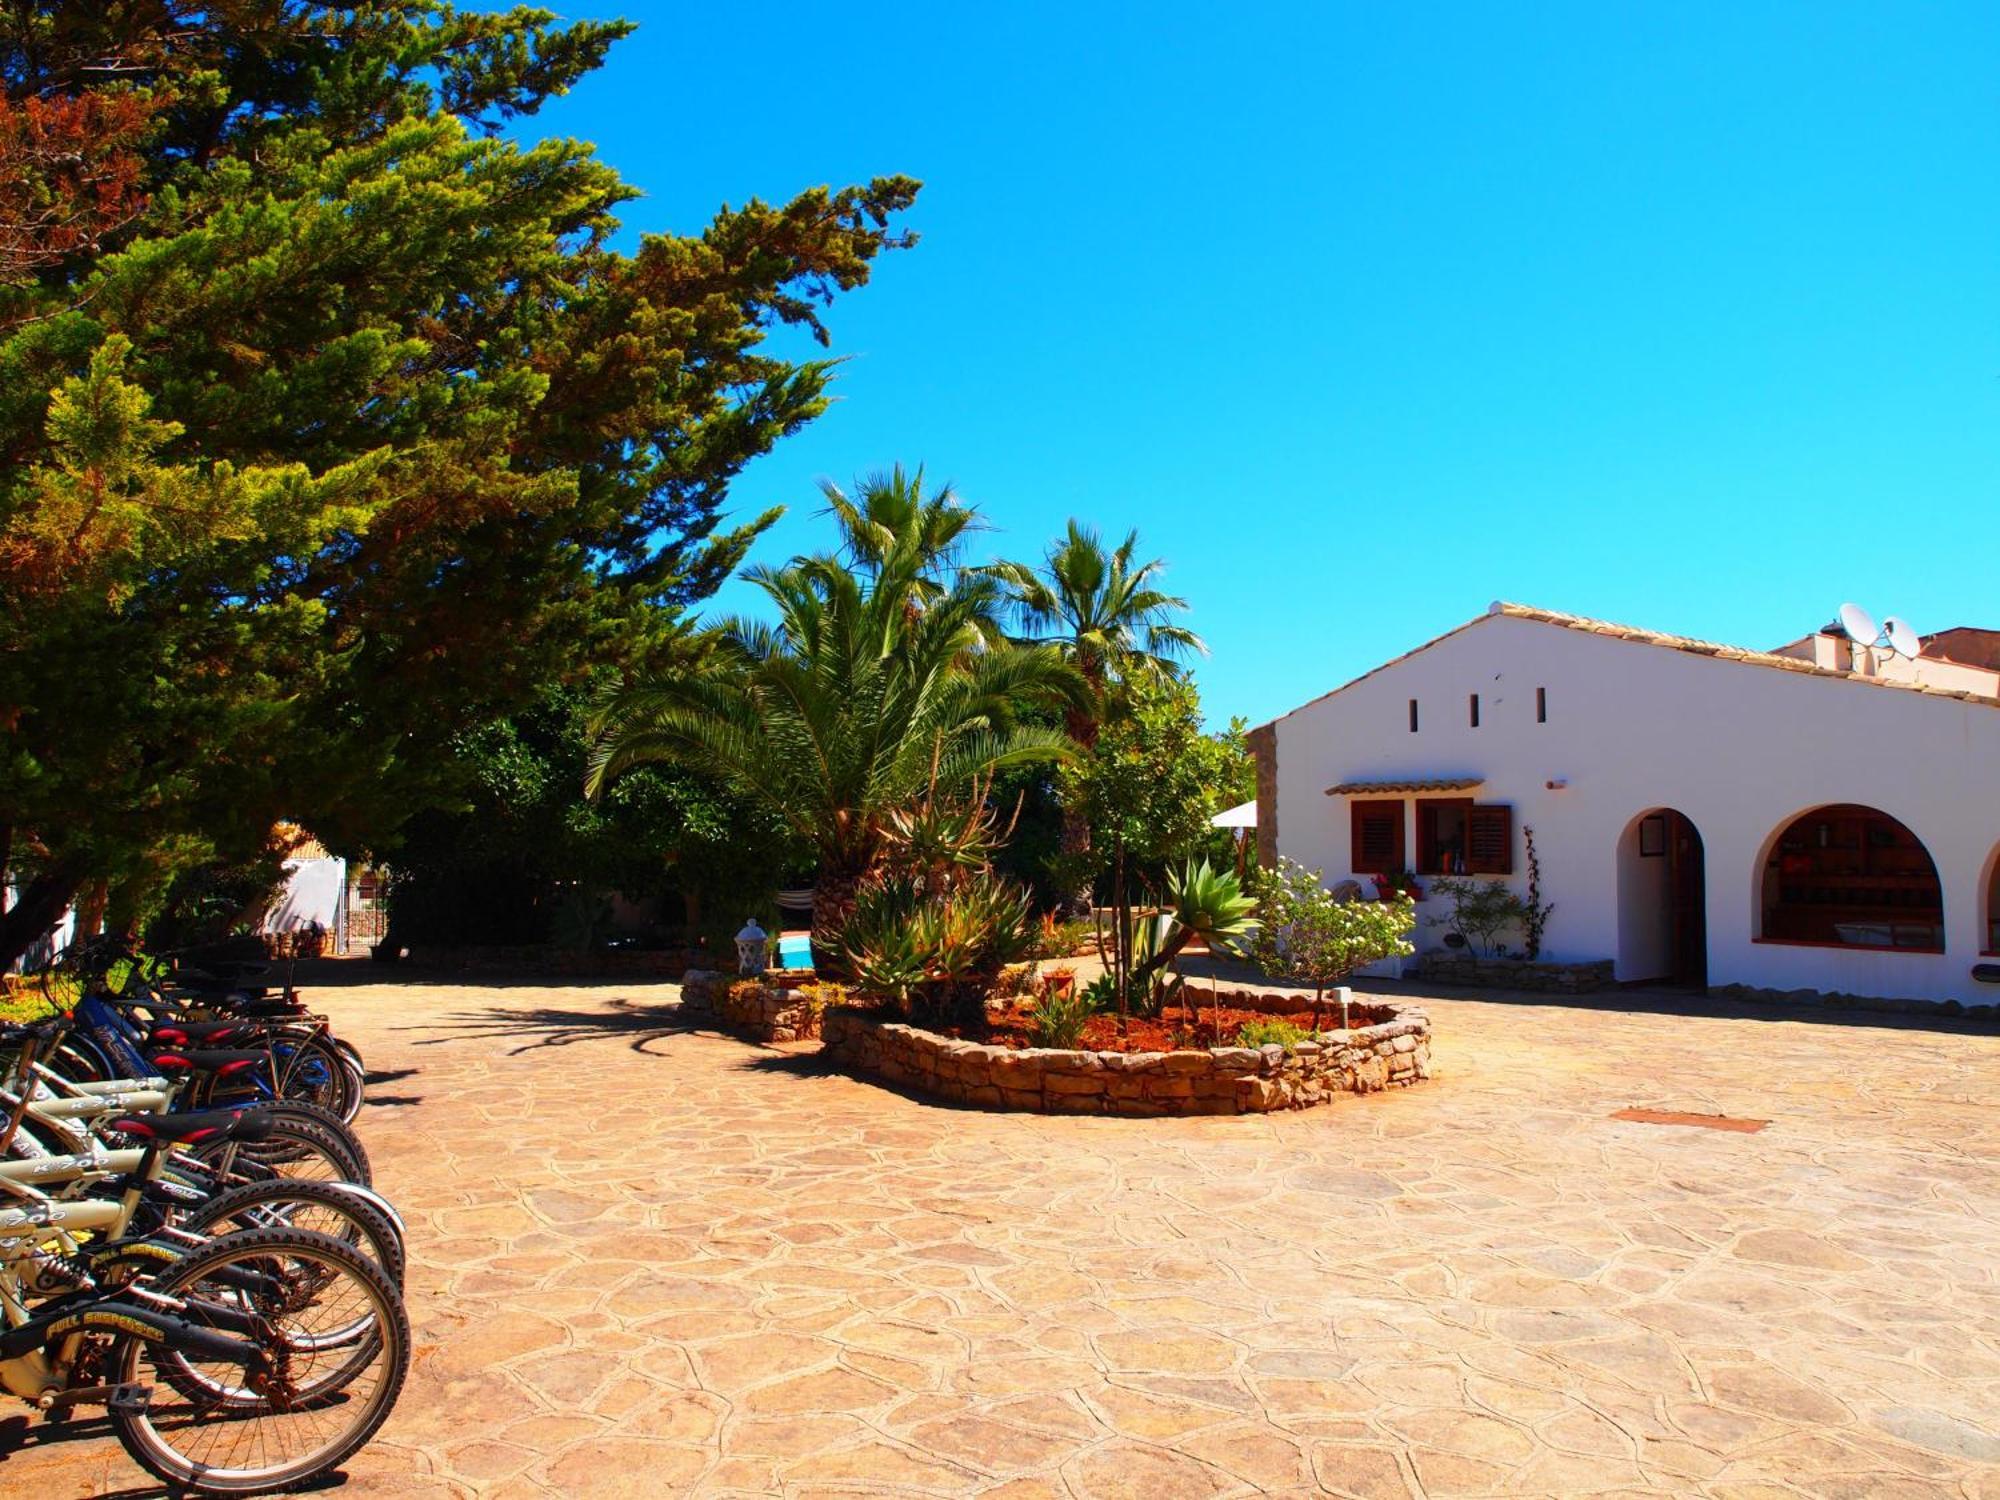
x=1239, y=819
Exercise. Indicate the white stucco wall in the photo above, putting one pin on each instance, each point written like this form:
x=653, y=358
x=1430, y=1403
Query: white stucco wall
x=1643, y=947
x=1740, y=749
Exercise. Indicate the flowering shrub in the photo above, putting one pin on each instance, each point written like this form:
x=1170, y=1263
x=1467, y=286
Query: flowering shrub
x=1314, y=937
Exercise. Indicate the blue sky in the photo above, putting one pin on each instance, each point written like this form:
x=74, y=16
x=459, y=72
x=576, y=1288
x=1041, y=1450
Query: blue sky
x=1367, y=315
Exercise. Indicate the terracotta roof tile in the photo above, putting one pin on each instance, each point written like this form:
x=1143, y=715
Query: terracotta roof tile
x=1433, y=784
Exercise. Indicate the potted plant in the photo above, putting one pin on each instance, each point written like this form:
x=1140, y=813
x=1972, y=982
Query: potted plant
x=1399, y=882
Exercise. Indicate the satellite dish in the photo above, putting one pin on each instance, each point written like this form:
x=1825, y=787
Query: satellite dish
x=1859, y=625
x=1902, y=639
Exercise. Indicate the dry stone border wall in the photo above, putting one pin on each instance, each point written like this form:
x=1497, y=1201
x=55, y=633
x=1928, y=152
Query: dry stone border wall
x=773, y=1009
x=1392, y=1052
x=1516, y=974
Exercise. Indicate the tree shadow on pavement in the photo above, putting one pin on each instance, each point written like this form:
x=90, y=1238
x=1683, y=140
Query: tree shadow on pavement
x=638, y=1025
x=359, y=973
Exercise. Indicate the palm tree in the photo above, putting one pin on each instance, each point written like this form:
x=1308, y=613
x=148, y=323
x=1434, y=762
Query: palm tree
x=890, y=521
x=881, y=677
x=1105, y=613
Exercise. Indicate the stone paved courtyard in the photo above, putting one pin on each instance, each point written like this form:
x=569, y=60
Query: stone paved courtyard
x=649, y=1261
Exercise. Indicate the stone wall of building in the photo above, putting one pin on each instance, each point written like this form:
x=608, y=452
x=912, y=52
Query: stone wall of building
x=1218, y=1081
x=1262, y=742
x=779, y=1007
x=1514, y=974
x=1838, y=1001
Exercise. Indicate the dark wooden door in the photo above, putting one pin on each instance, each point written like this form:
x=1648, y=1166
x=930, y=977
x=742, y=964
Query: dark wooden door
x=1687, y=887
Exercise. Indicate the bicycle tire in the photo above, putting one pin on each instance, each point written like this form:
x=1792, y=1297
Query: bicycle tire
x=306, y=1112
x=291, y=1150
x=372, y=1232
x=144, y=1432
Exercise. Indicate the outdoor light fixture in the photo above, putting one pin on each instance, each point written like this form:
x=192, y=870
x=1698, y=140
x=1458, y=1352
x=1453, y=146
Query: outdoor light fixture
x=753, y=948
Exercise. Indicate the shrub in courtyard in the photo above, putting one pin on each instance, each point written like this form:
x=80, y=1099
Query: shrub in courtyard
x=1481, y=910
x=1056, y=937
x=1060, y=1014
x=1264, y=1033
x=1314, y=937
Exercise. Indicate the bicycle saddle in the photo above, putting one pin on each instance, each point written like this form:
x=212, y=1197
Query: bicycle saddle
x=201, y=1125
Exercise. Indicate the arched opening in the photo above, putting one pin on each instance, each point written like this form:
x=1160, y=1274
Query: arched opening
x=1850, y=876
x=1662, y=900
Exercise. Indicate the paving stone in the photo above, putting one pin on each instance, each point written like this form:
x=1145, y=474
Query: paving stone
x=746, y=1277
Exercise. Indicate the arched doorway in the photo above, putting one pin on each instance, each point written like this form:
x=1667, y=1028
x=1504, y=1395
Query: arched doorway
x=1850, y=876
x=1989, y=932
x=1662, y=900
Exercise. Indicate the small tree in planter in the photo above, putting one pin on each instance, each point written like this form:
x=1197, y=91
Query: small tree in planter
x=1480, y=911
x=1315, y=937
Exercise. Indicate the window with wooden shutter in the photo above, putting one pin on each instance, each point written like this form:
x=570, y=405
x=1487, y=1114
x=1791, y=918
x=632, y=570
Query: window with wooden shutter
x=1378, y=837
x=1489, y=842
x=1442, y=824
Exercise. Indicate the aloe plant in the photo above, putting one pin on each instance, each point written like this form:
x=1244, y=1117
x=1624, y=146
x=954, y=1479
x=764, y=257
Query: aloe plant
x=934, y=952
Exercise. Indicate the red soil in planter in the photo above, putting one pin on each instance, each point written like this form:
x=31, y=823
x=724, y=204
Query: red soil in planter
x=1168, y=1032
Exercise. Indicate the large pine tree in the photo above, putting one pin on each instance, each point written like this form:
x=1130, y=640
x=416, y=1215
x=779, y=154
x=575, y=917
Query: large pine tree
x=331, y=421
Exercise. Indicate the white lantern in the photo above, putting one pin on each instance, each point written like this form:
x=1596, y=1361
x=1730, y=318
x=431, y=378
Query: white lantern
x=753, y=948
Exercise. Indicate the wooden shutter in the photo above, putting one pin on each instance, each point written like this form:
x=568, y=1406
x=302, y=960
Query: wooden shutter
x=1489, y=840
x=1378, y=837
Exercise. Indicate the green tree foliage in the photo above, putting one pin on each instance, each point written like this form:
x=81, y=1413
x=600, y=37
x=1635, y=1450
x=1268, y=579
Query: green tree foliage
x=1154, y=778
x=1311, y=936
x=523, y=850
x=332, y=422
x=880, y=682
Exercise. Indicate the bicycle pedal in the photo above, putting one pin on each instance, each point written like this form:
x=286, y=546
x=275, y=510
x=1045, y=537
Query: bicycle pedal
x=129, y=1399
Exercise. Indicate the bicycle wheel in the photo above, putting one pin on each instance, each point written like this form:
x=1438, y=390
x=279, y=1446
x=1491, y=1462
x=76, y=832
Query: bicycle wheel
x=306, y=1112
x=333, y=1208
x=314, y=1072
x=296, y=1148
x=357, y=1076
x=223, y=1430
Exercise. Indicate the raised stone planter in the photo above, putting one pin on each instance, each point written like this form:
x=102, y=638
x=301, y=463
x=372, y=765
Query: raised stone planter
x=775, y=1008
x=1515, y=974
x=1391, y=1051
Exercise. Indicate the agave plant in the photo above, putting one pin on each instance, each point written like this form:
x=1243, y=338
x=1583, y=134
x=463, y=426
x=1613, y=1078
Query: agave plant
x=943, y=839
x=1202, y=901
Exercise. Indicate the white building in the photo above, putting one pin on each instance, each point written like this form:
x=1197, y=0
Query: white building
x=1820, y=817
